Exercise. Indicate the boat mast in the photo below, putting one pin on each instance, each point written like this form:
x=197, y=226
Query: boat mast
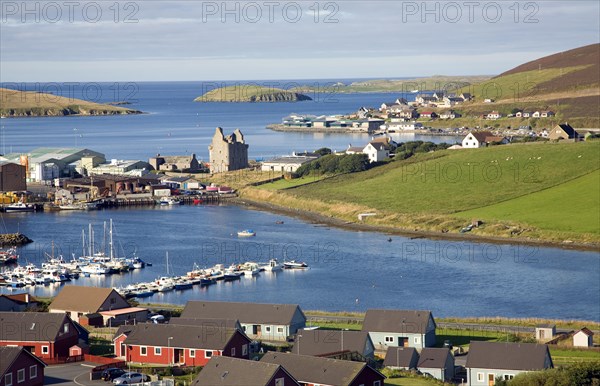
x=82, y=244
x=110, y=232
x=91, y=241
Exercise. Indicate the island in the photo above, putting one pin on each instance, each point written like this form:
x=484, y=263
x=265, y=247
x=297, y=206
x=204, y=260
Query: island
x=36, y=104
x=251, y=93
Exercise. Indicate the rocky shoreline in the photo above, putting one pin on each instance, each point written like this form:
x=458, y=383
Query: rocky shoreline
x=28, y=113
x=14, y=239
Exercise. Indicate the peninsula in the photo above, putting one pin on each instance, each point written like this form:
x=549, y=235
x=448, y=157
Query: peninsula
x=251, y=93
x=16, y=103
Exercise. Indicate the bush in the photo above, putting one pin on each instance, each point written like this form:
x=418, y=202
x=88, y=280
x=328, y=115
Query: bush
x=579, y=374
x=335, y=164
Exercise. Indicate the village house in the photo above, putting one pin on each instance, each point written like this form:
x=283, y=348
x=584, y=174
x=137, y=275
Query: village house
x=426, y=100
x=96, y=306
x=18, y=302
x=545, y=332
x=404, y=328
x=177, y=344
x=19, y=367
x=367, y=125
x=437, y=362
x=466, y=96
x=563, y=131
x=287, y=164
x=377, y=151
x=477, y=139
x=493, y=115
x=232, y=324
x=407, y=113
x=583, y=338
x=451, y=114
x=225, y=371
x=488, y=100
x=183, y=163
x=546, y=114
x=490, y=360
x=451, y=101
x=310, y=370
x=12, y=177
x=258, y=320
x=43, y=334
x=349, y=345
x=228, y=153
x=401, y=358
x=401, y=126
x=363, y=112
x=428, y=114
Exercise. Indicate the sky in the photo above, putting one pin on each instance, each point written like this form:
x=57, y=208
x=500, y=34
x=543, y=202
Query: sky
x=146, y=40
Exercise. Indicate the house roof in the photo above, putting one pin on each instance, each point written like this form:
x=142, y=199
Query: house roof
x=31, y=326
x=318, y=370
x=196, y=337
x=207, y=322
x=325, y=342
x=226, y=371
x=123, y=311
x=481, y=135
x=433, y=358
x=80, y=298
x=278, y=314
x=400, y=356
x=507, y=356
x=23, y=298
x=547, y=325
x=355, y=149
x=9, y=355
x=568, y=129
x=379, y=145
x=586, y=331
x=494, y=138
x=401, y=321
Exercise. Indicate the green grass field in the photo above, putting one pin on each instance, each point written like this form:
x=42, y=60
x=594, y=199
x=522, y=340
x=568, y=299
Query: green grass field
x=552, y=208
x=416, y=381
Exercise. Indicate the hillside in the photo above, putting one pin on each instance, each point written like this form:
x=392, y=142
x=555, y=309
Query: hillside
x=436, y=191
x=15, y=103
x=251, y=93
x=567, y=83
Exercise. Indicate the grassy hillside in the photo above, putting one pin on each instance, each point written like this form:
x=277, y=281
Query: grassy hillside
x=251, y=93
x=15, y=103
x=553, y=208
x=436, y=191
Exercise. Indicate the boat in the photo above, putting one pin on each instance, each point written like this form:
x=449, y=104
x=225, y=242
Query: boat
x=250, y=269
x=8, y=256
x=246, y=233
x=293, y=264
x=414, y=91
x=273, y=266
x=20, y=207
x=183, y=284
x=165, y=284
x=95, y=269
x=170, y=201
x=232, y=273
x=72, y=206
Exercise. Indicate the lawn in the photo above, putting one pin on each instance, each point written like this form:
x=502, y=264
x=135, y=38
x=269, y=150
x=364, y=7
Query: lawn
x=410, y=382
x=453, y=181
x=553, y=208
x=286, y=184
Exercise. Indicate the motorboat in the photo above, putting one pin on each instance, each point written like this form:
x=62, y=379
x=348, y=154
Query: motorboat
x=20, y=207
x=273, y=266
x=246, y=233
x=293, y=264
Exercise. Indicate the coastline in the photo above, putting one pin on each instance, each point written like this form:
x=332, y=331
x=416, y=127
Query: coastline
x=301, y=129
x=413, y=235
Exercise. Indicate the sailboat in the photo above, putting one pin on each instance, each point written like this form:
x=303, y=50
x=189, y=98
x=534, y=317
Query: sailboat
x=166, y=283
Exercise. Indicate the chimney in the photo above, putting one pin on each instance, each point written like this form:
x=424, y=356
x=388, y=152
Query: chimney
x=27, y=298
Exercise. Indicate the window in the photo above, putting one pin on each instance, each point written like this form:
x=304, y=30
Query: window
x=376, y=383
x=268, y=329
x=244, y=349
x=416, y=340
x=508, y=377
x=143, y=350
x=66, y=328
x=192, y=353
x=279, y=382
x=280, y=330
x=208, y=354
x=233, y=351
x=157, y=351
x=480, y=377
x=21, y=375
x=45, y=350
x=33, y=372
x=389, y=339
x=113, y=300
x=8, y=379
x=244, y=328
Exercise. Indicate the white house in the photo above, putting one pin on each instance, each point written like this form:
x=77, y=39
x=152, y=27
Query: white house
x=476, y=139
x=494, y=115
x=376, y=151
x=583, y=338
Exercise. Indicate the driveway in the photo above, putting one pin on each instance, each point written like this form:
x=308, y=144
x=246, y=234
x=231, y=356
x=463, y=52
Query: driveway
x=70, y=374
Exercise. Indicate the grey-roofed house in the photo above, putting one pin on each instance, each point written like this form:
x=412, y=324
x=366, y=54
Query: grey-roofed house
x=19, y=367
x=18, y=302
x=490, y=360
x=225, y=371
x=401, y=358
x=405, y=328
x=437, y=362
x=80, y=301
x=286, y=164
x=310, y=370
x=43, y=334
x=224, y=323
x=563, y=131
x=187, y=345
x=258, y=320
x=350, y=345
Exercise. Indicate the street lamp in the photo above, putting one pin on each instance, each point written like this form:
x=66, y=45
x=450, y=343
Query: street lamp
x=169, y=349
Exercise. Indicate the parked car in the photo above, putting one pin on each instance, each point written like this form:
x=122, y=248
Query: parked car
x=112, y=373
x=129, y=378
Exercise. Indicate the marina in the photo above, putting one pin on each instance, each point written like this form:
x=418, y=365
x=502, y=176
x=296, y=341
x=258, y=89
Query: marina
x=375, y=270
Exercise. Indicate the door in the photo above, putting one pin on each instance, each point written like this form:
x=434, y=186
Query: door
x=403, y=342
x=491, y=379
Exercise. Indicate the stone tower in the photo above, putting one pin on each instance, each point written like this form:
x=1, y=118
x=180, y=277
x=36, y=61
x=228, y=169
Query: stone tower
x=228, y=152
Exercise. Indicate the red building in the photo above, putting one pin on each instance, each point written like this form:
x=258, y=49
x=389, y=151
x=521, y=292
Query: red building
x=310, y=371
x=19, y=367
x=43, y=334
x=179, y=344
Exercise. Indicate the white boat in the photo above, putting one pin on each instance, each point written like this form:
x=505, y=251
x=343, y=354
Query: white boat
x=246, y=233
x=20, y=207
x=273, y=266
x=170, y=201
x=73, y=206
x=8, y=256
x=165, y=284
x=294, y=265
x=251, y=269
x=414, y=91
x=95, y=269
